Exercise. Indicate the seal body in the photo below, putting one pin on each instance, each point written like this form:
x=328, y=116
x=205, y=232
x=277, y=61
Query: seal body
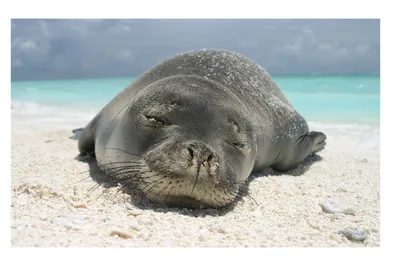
x=189, y=131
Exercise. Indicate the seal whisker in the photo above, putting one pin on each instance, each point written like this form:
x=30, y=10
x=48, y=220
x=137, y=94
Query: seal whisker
x=197, y=177
x=159, y=192
x=122, y=187
x=84, y=172
x=149, y=183
x=151, y=188
x=102, y=193
x=93, y=188
x=145, y=178
x=133, y=163
x=134, y=167
x=121, y=172
x=115, y=168
x=80, y=180
x=130, y=167
x=127, y=152
x=245, y=193
x=103, y=165
x=169, y=192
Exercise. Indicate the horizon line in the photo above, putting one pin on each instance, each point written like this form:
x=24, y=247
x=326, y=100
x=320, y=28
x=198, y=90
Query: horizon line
x=131, y=77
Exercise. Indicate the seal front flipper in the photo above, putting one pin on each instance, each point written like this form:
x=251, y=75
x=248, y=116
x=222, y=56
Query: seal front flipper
x=319, y=141
x=86, y=137
x=77, y=133
x=296, y=152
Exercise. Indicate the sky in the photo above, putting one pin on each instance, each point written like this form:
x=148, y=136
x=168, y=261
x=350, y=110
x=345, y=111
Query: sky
x=43, y=49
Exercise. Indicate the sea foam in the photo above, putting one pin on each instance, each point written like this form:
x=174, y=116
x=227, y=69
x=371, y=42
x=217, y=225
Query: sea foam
x=34, y=111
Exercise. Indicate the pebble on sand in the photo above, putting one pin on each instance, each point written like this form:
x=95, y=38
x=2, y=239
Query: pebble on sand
x=135, y=212
x=354, y=235
x=69, y=221
x=79, y=205
x=121, y=233
x=332, y=206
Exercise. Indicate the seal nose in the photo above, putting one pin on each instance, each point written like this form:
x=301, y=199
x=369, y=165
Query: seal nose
x=201, y=154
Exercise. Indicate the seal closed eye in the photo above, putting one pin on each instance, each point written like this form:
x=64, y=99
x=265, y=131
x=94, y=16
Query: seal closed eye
x=189, y=131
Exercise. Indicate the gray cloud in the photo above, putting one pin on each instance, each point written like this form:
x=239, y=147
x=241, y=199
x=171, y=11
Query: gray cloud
x=62, y=49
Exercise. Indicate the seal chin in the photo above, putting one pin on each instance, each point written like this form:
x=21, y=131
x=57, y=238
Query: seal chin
x=186, y=191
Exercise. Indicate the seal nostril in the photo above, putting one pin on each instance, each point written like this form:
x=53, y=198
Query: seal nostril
x=190, y=152
x=210, y=157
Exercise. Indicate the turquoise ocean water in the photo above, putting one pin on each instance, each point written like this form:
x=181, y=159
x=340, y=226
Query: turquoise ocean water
x=325, y=99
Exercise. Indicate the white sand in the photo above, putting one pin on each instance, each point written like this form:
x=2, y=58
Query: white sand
x=50, y=207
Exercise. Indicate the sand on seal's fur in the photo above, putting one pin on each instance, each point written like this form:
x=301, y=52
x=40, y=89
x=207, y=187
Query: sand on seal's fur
x=51, y=206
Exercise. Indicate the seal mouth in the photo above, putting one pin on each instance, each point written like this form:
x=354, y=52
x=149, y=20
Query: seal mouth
x=186, y=192
x=192, y=192
x=166, y=188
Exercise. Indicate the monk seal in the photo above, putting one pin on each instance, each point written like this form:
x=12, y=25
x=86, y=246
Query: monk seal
x=189, y=131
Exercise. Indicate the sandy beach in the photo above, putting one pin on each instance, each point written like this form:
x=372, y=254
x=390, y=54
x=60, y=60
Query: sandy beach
x=54, y=205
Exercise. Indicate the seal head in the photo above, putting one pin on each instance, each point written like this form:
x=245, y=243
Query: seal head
x=187, y=147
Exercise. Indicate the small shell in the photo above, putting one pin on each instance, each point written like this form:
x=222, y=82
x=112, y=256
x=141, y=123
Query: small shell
x=354, y=235
x=69, y=221
x=331, y=206
x=135, y=212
